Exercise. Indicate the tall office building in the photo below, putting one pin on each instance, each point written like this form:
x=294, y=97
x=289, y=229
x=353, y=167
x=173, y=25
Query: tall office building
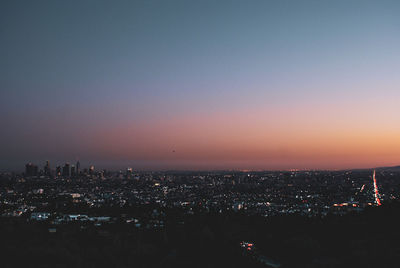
x=28, y=169
x=31, y=170
x=46, y=168
x=58, y=171
x=73, y=170
x=78, y=167
x=91, y=170
x=66, y=170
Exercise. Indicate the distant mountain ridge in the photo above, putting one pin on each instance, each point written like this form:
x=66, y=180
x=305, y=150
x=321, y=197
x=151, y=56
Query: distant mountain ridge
x=395, y=168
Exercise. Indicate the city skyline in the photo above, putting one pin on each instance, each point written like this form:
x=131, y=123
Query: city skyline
x=46, y=168
x=154, y=85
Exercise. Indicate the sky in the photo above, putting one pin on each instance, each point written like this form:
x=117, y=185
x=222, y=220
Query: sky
x=161, y=85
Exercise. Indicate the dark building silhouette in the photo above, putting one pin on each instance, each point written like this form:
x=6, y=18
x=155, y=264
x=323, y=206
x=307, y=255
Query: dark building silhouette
x=58, y=171
x=66, y=170
x=31, y=170
x=46, y=168
x=73, y=170
x=78, y=167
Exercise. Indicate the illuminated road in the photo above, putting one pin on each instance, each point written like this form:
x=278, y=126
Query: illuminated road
x=377, y=200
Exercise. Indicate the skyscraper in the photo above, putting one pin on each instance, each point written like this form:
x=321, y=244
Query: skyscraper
x=46, y=168
x=58, y=171
x=78, y=167
x=73, y=171
x=91, y=170
x=31, y=170
x=66, y=170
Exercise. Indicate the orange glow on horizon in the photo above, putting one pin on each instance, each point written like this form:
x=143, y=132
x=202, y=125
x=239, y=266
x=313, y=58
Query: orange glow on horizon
x=301, y=137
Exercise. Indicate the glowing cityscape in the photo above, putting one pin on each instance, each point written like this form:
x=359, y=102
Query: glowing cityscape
x=202, y=133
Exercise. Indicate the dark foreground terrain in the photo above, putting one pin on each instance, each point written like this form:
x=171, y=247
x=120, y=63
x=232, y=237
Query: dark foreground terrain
x=368, y=239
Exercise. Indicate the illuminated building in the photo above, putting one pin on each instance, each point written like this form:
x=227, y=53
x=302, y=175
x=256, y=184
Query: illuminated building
x=91, y=170
x=129, y=172
x=58, y=171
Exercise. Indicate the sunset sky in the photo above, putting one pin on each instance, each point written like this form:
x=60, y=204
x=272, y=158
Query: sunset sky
x=200, y=84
